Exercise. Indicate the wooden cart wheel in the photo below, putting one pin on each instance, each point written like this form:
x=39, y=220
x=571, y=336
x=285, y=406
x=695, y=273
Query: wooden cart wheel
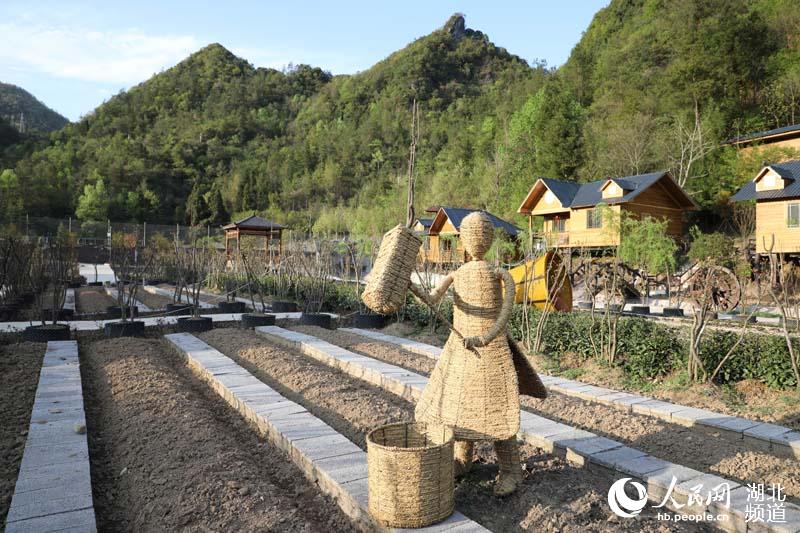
x=722, y=284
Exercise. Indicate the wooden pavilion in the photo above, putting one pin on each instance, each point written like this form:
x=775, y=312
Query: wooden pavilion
x=256, y=226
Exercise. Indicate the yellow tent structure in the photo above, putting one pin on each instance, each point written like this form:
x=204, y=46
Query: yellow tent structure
x=545, y=279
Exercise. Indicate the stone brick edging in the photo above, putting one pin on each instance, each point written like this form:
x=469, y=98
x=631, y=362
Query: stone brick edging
x=54, y=486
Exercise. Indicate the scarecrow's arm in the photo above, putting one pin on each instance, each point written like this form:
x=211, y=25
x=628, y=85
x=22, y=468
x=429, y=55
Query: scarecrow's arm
x=505, y=313
x=438, y=293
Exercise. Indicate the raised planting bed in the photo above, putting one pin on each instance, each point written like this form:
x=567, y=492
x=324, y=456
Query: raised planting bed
x=177, y=309
x=317, y=319
x=167, y=454
x=231, y=307
x=123, y=329
x=281, y=306
x=367, y=320
x=19, y=376
x=194, y=324
x=113, y=312
x=46, y=333
x=672, y=312
x=640, y=309
x=253, y=320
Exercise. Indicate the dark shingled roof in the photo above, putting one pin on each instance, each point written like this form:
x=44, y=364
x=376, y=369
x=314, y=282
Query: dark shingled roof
x=563, y=190
x=589, y=194
x=789, y=170
x=457, y=214
x=426, y=222
x=767, y=133
x=253, y=222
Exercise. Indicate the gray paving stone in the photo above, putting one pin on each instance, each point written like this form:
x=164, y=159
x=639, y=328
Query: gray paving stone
x=613, y=458
x=694, y=492
x=344, y=468
x=641, y=466
x=82, y=520
x=53, y=488
x=326, y=446
x=24, y=510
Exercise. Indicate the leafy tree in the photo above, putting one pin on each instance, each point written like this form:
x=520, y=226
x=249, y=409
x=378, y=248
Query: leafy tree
x=94, y=202
x=11, y=206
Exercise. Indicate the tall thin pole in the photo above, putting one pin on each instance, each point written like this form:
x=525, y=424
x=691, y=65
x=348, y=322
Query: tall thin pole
x=412, y=156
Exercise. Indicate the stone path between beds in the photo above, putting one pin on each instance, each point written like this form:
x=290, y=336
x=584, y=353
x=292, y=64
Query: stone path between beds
x=54, y=487
x=578, y=446
x=326, y=457
x=764, y=436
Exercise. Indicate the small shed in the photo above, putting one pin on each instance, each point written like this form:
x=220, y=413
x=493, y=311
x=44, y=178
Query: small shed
x=443, y=245
x=271, y=232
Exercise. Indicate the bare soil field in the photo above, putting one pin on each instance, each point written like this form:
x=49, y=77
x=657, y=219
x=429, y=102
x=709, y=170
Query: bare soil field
x=690, y=447
x=92, y=300
x=153, y=301
x=168, y=454
x=19, y=376
x=555, y=495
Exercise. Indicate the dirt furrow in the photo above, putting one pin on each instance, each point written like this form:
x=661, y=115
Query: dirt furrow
x=690, y=447
x=555, y=496
x=168, y=454
x=19, y=376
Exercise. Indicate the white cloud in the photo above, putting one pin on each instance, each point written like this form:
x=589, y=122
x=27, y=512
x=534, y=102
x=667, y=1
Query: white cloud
x=115, y=57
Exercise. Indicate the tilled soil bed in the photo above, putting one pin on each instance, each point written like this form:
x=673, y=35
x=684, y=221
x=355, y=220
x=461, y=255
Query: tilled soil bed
x=19, y=376
x=686, y=446
x=92, y=300
x=555, y=495
x=168, y=454
x=153, y=301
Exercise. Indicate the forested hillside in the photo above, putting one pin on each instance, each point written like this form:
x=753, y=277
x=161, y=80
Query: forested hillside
x=27, y=114
x=652, y=84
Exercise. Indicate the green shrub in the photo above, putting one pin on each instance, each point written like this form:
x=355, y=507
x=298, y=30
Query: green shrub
x=647, y=349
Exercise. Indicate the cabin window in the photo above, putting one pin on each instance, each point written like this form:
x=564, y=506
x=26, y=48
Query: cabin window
x=594, y=219
x=793, y=215
x=559, y=225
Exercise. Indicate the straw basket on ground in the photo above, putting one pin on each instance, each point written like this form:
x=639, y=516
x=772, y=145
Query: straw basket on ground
x=410, y=473
x=390, y=278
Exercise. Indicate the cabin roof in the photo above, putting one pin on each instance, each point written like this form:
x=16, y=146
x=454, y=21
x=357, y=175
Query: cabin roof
x=253, y=222
x=574, y=196
x=425, y=222
x=750, y=137
x=789, y=170
x=456, y=216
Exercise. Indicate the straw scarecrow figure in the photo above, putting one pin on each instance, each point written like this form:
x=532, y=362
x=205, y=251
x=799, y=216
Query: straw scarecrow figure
x=477, y=381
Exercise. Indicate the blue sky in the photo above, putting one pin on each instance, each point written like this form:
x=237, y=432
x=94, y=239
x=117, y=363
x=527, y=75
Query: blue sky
x=74, y=55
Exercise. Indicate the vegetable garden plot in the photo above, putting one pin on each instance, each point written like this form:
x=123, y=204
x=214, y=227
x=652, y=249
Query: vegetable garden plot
x=166, y=453
x=690, y=447
x=92, y=300
x=555, y=496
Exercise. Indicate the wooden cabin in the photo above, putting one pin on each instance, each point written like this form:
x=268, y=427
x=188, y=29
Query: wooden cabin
x=776, y=192
x=785, y=137
x=422, y=225
x=572, y=218
x=442, y=244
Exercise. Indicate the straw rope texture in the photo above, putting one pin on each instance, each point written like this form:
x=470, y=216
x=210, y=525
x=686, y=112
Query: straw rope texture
x=410, y=474
x=475, y=390
x=390, y=278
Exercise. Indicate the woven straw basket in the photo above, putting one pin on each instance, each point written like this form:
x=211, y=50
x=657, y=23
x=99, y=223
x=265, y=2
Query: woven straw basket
x=390, y=278
x=410, y=471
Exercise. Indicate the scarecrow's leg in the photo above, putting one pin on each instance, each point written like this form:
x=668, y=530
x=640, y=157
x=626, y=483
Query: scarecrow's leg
x=463, y=455
x=510, y=470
